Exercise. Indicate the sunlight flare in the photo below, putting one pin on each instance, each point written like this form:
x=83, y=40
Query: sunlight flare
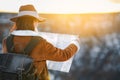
x=63, y=7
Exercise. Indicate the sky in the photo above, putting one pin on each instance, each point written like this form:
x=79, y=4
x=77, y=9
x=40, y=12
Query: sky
x=63, y=6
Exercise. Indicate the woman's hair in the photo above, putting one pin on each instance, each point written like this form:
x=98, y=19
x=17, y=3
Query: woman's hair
x=25, y=23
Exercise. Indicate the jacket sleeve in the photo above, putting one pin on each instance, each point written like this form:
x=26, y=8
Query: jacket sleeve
x=57, y=54
x=4, y=48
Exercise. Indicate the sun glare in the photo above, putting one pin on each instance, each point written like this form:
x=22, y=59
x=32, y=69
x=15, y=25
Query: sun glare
x=79, y=6
x=63, y=6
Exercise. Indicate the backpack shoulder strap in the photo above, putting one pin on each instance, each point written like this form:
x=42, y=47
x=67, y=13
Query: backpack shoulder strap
x=9, y=43
x=33, y=42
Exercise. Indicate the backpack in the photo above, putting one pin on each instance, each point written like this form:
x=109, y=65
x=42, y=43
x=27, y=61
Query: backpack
x=18, y=66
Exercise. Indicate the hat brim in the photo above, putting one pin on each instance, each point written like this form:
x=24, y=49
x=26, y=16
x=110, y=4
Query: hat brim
x=40, y=19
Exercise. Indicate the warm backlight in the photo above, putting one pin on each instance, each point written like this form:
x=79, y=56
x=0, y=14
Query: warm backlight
x=63, y=6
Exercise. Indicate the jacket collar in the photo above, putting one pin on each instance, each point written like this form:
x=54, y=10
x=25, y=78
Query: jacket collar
x=24, y=33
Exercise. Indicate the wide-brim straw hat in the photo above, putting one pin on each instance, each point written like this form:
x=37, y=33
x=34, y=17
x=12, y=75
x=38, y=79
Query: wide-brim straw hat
x=28, y=10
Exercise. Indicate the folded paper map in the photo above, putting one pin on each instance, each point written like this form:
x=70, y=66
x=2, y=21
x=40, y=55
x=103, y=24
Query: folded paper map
x=59, y=41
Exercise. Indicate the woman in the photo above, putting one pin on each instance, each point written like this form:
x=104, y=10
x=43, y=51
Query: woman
x=25, y=24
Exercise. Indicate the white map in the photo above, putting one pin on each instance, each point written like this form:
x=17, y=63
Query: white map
x=60, y=41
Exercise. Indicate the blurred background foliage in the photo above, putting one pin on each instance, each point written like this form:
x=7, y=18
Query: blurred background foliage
x=99, y=56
